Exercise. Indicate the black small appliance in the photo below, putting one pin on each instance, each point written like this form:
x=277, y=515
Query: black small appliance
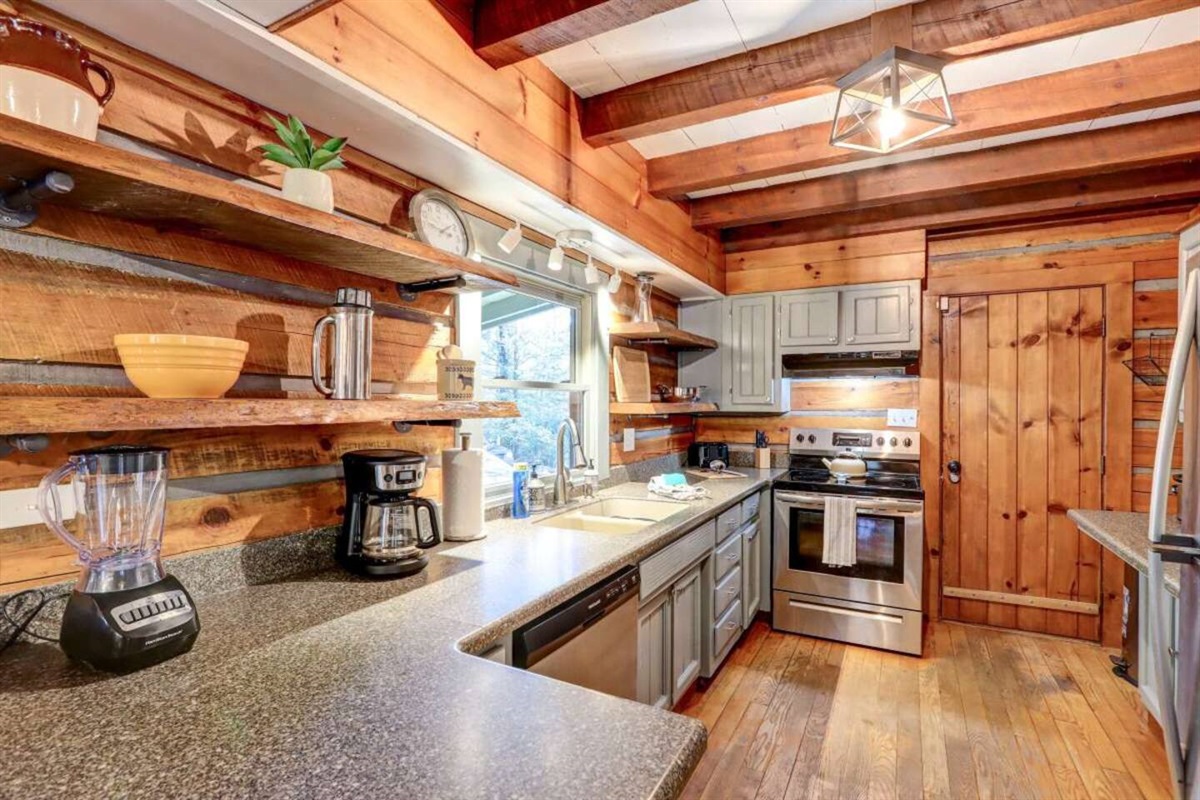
x=125, y=613
x=385, y=528
x=702, y=454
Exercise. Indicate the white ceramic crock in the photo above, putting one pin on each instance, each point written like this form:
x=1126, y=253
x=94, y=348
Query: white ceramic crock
x=309, y=187
x=49, y=101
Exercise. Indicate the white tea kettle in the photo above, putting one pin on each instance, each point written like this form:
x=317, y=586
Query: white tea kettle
x=846, y=465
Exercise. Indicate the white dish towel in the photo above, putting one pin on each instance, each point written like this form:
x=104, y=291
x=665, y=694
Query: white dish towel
x=841, y=531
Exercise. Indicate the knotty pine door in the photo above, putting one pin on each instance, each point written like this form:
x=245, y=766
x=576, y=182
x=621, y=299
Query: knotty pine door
x=1023, y=407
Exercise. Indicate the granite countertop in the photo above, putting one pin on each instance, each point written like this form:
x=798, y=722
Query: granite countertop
x=327, y=685
x=1126, y=533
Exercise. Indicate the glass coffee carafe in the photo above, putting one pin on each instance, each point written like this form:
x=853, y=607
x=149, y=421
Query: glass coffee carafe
x=120, y=503
x=398, y=528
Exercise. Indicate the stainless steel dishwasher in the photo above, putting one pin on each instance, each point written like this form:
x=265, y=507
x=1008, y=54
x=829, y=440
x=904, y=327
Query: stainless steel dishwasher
x=589, y=640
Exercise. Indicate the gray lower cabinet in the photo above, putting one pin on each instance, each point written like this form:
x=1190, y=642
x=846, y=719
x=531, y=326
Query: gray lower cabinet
x=670, y=628
x=752, y=567
x=654, y=652
x=686, y=628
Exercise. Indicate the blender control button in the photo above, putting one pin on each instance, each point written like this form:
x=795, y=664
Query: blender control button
x=126, y=617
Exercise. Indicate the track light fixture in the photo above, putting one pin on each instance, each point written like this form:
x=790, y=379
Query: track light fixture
x=614, y=283
x=511, y=238
x=590, y=273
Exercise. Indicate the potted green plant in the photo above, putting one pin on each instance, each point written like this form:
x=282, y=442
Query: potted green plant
x=305, y=180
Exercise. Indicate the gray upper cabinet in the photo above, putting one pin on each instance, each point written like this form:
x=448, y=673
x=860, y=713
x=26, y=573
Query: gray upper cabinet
x=808, y=318
x=874, y=315
x=750, y=364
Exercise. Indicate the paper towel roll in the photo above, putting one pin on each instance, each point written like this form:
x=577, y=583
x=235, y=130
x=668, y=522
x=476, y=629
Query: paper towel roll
x=462, y=490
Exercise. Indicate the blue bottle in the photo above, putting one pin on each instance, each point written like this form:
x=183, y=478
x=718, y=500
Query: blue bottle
x=520, y=506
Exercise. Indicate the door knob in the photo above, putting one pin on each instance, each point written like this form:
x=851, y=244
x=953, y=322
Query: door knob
x=955, y=470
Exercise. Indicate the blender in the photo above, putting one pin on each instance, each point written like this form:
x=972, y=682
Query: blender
x=125, y=613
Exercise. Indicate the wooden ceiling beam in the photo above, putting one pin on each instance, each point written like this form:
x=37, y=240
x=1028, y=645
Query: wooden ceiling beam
x=810, y=65
x=1158, y=78
x=508, y=31
x=1150, y=186
x=1124, y=147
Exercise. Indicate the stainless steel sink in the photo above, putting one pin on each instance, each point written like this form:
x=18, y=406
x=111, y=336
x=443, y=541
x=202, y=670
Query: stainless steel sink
x=614, y=515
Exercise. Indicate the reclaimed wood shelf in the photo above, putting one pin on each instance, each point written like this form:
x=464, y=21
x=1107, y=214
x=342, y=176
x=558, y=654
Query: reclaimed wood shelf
x=646, y=409
x=658, y=333
x=174, y=199
x=32, y=415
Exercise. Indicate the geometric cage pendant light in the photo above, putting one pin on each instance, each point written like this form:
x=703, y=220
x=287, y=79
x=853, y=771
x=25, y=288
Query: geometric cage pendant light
x=893, y=100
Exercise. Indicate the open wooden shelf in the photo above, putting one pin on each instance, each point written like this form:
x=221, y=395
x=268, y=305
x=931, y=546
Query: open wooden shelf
x=636, y=409
x=129, y=186
x=658, y=333
x=75, y=414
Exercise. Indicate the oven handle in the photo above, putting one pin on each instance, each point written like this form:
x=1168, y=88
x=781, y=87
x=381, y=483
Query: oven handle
x=863, y=504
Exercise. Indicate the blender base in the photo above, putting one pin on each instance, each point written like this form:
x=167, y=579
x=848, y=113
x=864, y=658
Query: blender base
x=129, y=629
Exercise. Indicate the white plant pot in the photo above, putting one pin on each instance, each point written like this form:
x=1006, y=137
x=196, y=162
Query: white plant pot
x=49, y=101
x=309, y=187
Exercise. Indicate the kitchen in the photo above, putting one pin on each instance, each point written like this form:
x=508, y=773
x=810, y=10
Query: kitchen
x=435, y=398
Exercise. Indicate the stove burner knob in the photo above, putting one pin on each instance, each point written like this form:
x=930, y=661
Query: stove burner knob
x=879, y=442
x=892, y=442
x=812, y=438
x=907, y=442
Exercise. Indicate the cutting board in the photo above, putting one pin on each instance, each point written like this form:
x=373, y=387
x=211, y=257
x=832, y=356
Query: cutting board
x=631, y=369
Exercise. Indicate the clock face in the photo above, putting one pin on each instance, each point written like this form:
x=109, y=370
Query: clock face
x=442, y=227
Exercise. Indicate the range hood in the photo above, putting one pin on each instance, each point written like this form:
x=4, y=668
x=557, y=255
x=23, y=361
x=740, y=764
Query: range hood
x=860, y=362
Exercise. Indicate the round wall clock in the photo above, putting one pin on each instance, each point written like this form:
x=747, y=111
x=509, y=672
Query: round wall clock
x=440, y=222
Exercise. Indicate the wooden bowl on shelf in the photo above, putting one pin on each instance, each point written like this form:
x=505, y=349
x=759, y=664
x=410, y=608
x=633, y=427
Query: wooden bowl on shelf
x=168, y=365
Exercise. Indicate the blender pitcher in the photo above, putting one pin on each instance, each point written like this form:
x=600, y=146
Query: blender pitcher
x=125, y=612
x=120, y=500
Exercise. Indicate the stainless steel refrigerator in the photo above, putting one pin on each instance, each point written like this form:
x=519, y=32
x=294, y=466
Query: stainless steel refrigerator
x=1176, y=647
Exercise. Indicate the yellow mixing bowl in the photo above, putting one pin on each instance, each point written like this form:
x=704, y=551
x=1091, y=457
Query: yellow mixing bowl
x=169, y=365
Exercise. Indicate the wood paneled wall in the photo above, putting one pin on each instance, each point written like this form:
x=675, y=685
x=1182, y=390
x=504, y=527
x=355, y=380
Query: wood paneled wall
x=66, y=298
x=863, y=259
x=521, y=116
x=1134, y=260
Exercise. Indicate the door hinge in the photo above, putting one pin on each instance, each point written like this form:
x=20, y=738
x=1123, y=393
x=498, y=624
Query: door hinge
x=1103, y=464
x=1104, y=327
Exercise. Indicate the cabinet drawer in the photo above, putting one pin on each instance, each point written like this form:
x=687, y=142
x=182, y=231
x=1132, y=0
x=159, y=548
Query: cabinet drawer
x=726, y=630
x=658, y=570
x=728, y=522
x=728, y=556
x=725, y=592
x=750, y=507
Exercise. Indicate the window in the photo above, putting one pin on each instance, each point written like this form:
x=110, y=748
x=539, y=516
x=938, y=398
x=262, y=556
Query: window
x=529, y=353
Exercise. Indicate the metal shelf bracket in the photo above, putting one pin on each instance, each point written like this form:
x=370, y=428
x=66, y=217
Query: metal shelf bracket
x=19, y=207
x=409, y=291
x=407, y=427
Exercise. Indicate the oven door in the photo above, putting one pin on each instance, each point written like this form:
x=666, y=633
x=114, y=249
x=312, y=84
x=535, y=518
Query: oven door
x=890, y=543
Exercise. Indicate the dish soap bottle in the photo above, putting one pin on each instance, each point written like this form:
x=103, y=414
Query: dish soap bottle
x=537, y=493
x=520, y=493
x=591, y=479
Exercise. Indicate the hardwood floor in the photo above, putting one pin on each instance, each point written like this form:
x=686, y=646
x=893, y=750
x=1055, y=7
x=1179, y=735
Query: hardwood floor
x=986, y=714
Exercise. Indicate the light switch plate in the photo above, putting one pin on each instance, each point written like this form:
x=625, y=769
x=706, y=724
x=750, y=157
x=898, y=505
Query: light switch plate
x=902, y=418
x=18, y=507
x=630, y=439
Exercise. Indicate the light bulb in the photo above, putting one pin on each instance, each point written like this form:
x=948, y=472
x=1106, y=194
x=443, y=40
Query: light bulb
x=891, y=122
x=556, y=258
x=511, y=238
x=614, y=283
x=590, y=273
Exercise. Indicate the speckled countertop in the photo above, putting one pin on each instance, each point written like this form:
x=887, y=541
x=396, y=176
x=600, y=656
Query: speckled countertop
x=330, y=686
x=1126, y=533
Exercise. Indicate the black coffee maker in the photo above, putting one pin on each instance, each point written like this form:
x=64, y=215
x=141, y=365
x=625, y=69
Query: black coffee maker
x=385, y=528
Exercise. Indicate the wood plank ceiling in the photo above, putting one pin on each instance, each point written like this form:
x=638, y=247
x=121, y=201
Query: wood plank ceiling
x=1063, y=107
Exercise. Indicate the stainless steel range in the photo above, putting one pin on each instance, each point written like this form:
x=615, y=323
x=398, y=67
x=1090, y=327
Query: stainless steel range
x=875, y=599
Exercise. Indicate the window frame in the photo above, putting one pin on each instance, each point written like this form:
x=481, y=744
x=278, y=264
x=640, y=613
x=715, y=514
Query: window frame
x=589, y=368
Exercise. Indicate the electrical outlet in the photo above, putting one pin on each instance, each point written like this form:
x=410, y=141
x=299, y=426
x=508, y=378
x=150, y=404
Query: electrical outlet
x=630, y=439
x=18, y=507
x=902, y=418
